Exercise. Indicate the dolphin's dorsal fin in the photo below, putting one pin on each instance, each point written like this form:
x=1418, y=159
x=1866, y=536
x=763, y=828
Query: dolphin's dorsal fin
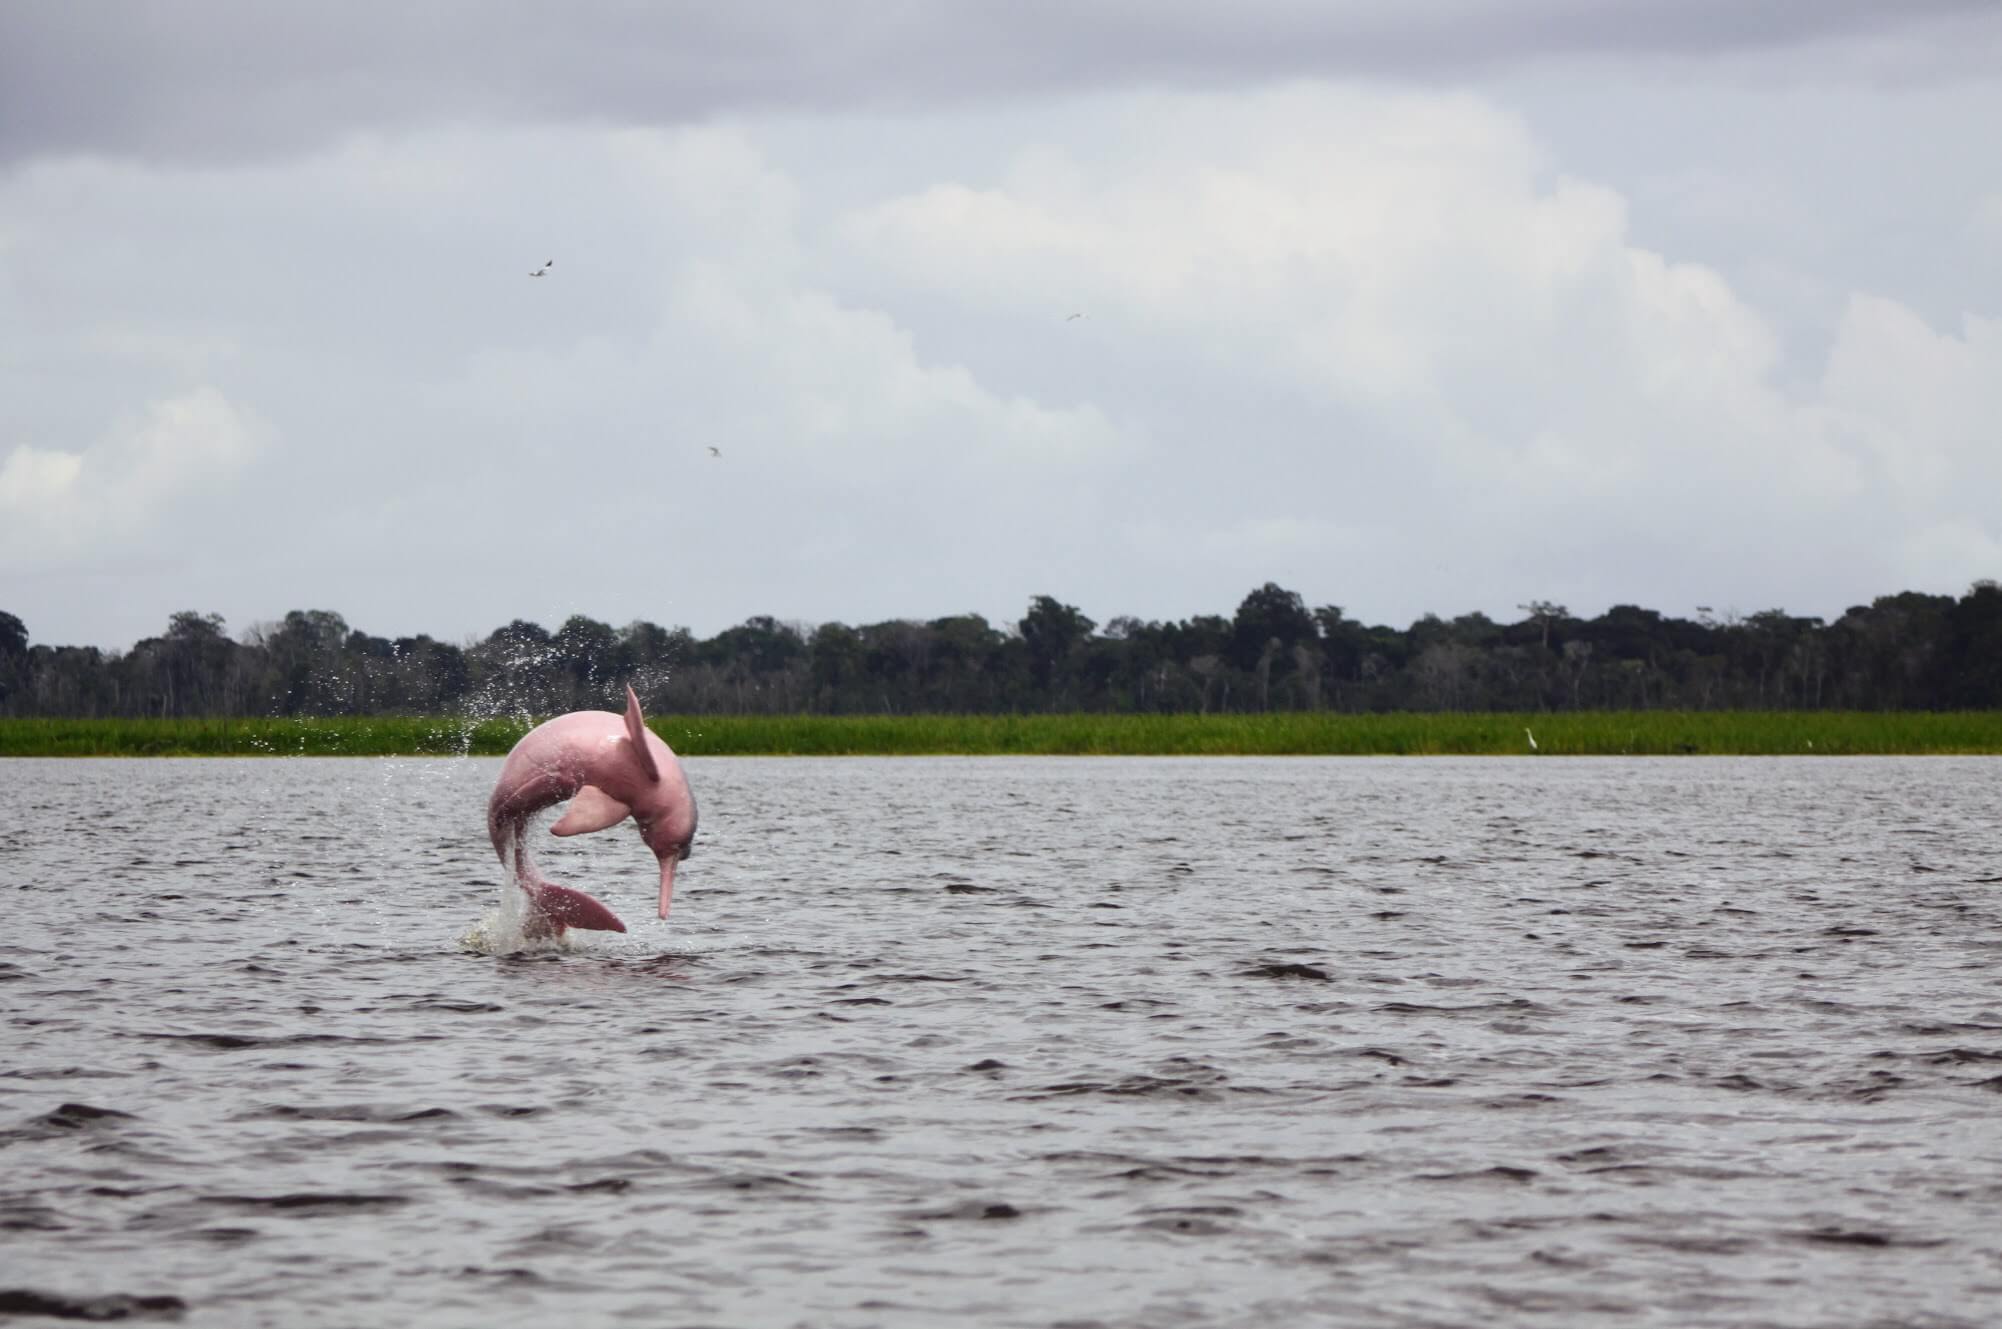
x=591, y=809
x=636, y=731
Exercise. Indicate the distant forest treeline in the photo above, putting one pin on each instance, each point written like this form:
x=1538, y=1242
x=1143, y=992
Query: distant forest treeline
x=1908, y=651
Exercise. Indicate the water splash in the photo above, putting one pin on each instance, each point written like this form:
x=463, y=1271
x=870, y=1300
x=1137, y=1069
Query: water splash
x=495, y=933
x=504, y=929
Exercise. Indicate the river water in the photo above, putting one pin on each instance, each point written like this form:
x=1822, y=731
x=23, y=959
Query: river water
x=1067, y=1042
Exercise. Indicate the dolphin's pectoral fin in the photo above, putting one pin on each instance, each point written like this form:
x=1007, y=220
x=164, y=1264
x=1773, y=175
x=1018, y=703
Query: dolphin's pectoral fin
x=591, y=809
x=573, y=909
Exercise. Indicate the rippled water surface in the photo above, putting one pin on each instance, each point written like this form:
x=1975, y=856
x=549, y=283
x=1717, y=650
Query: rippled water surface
x=1013, y=1042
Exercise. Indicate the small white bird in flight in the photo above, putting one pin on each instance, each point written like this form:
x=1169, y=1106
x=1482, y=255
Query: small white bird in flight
x=715, y=452
x=543, y=269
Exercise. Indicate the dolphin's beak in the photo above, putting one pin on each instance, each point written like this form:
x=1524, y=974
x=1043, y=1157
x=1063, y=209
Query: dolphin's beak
x=667, y=882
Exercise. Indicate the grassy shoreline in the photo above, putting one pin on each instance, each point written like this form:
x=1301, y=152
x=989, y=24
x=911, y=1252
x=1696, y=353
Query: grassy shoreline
x=1589, y=733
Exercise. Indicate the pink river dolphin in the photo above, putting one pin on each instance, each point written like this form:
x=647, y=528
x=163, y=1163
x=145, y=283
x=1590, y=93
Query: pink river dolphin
x=610, y=767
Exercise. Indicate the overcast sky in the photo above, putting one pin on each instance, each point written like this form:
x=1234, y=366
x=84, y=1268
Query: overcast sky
x=1425, y=307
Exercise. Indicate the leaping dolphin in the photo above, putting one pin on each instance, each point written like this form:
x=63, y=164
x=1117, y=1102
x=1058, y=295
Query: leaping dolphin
x=609, y=766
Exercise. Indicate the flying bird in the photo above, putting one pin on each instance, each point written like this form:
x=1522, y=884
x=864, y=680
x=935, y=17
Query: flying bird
x=543, y=269
x=715, y=452
x=1074, y=317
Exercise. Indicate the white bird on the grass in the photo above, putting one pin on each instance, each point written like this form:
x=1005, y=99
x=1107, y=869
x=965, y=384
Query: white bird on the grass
x=1531, y=737
x=543, y=269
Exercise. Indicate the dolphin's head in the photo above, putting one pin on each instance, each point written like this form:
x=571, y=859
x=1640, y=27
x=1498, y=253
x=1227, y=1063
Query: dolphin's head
x=670, y=833
x=665, y=808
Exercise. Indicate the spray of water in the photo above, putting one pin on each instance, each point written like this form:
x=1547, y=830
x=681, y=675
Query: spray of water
x=503, y=930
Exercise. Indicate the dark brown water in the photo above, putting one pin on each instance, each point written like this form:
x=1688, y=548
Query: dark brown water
x=1013, y=1042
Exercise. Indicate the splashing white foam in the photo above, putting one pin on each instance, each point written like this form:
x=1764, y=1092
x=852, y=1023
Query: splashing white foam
x=503, y=930
x=496, y=934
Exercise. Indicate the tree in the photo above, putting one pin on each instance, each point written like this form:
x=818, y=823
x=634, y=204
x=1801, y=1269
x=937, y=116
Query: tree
x=1907, y=650
x=758, y=645
x=761, y=664
x=303, y=654
x=515, y=672
x=189, y=669
x=431, y=676
x=1476, y=629
x=13, y=658
x=1775, y=635
x=519, y=635
x=1544, y=613
x=588, y=651
x=1267, y=616
x=1052, y=630
x=653, y=654
x=1970, y=663
x=1446, y=674
x=838, y=665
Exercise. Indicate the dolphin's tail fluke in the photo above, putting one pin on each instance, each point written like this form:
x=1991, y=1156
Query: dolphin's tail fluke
x=571, y=909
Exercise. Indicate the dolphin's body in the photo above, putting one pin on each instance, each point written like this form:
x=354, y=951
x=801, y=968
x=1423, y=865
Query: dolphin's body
x=610, y=767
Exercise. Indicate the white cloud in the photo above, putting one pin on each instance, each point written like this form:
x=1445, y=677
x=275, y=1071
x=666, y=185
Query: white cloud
x=1926, y=405
x=32, y=480
x=57, y=504
x=746, y=350
x=1942, y=554
x=1547, y=387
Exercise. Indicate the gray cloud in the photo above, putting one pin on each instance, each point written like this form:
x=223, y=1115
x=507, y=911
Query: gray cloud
x=1384, y=347
x=1590, y=301
x=224, y=79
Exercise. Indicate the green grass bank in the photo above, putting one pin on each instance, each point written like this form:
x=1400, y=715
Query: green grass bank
x=1645, y=733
